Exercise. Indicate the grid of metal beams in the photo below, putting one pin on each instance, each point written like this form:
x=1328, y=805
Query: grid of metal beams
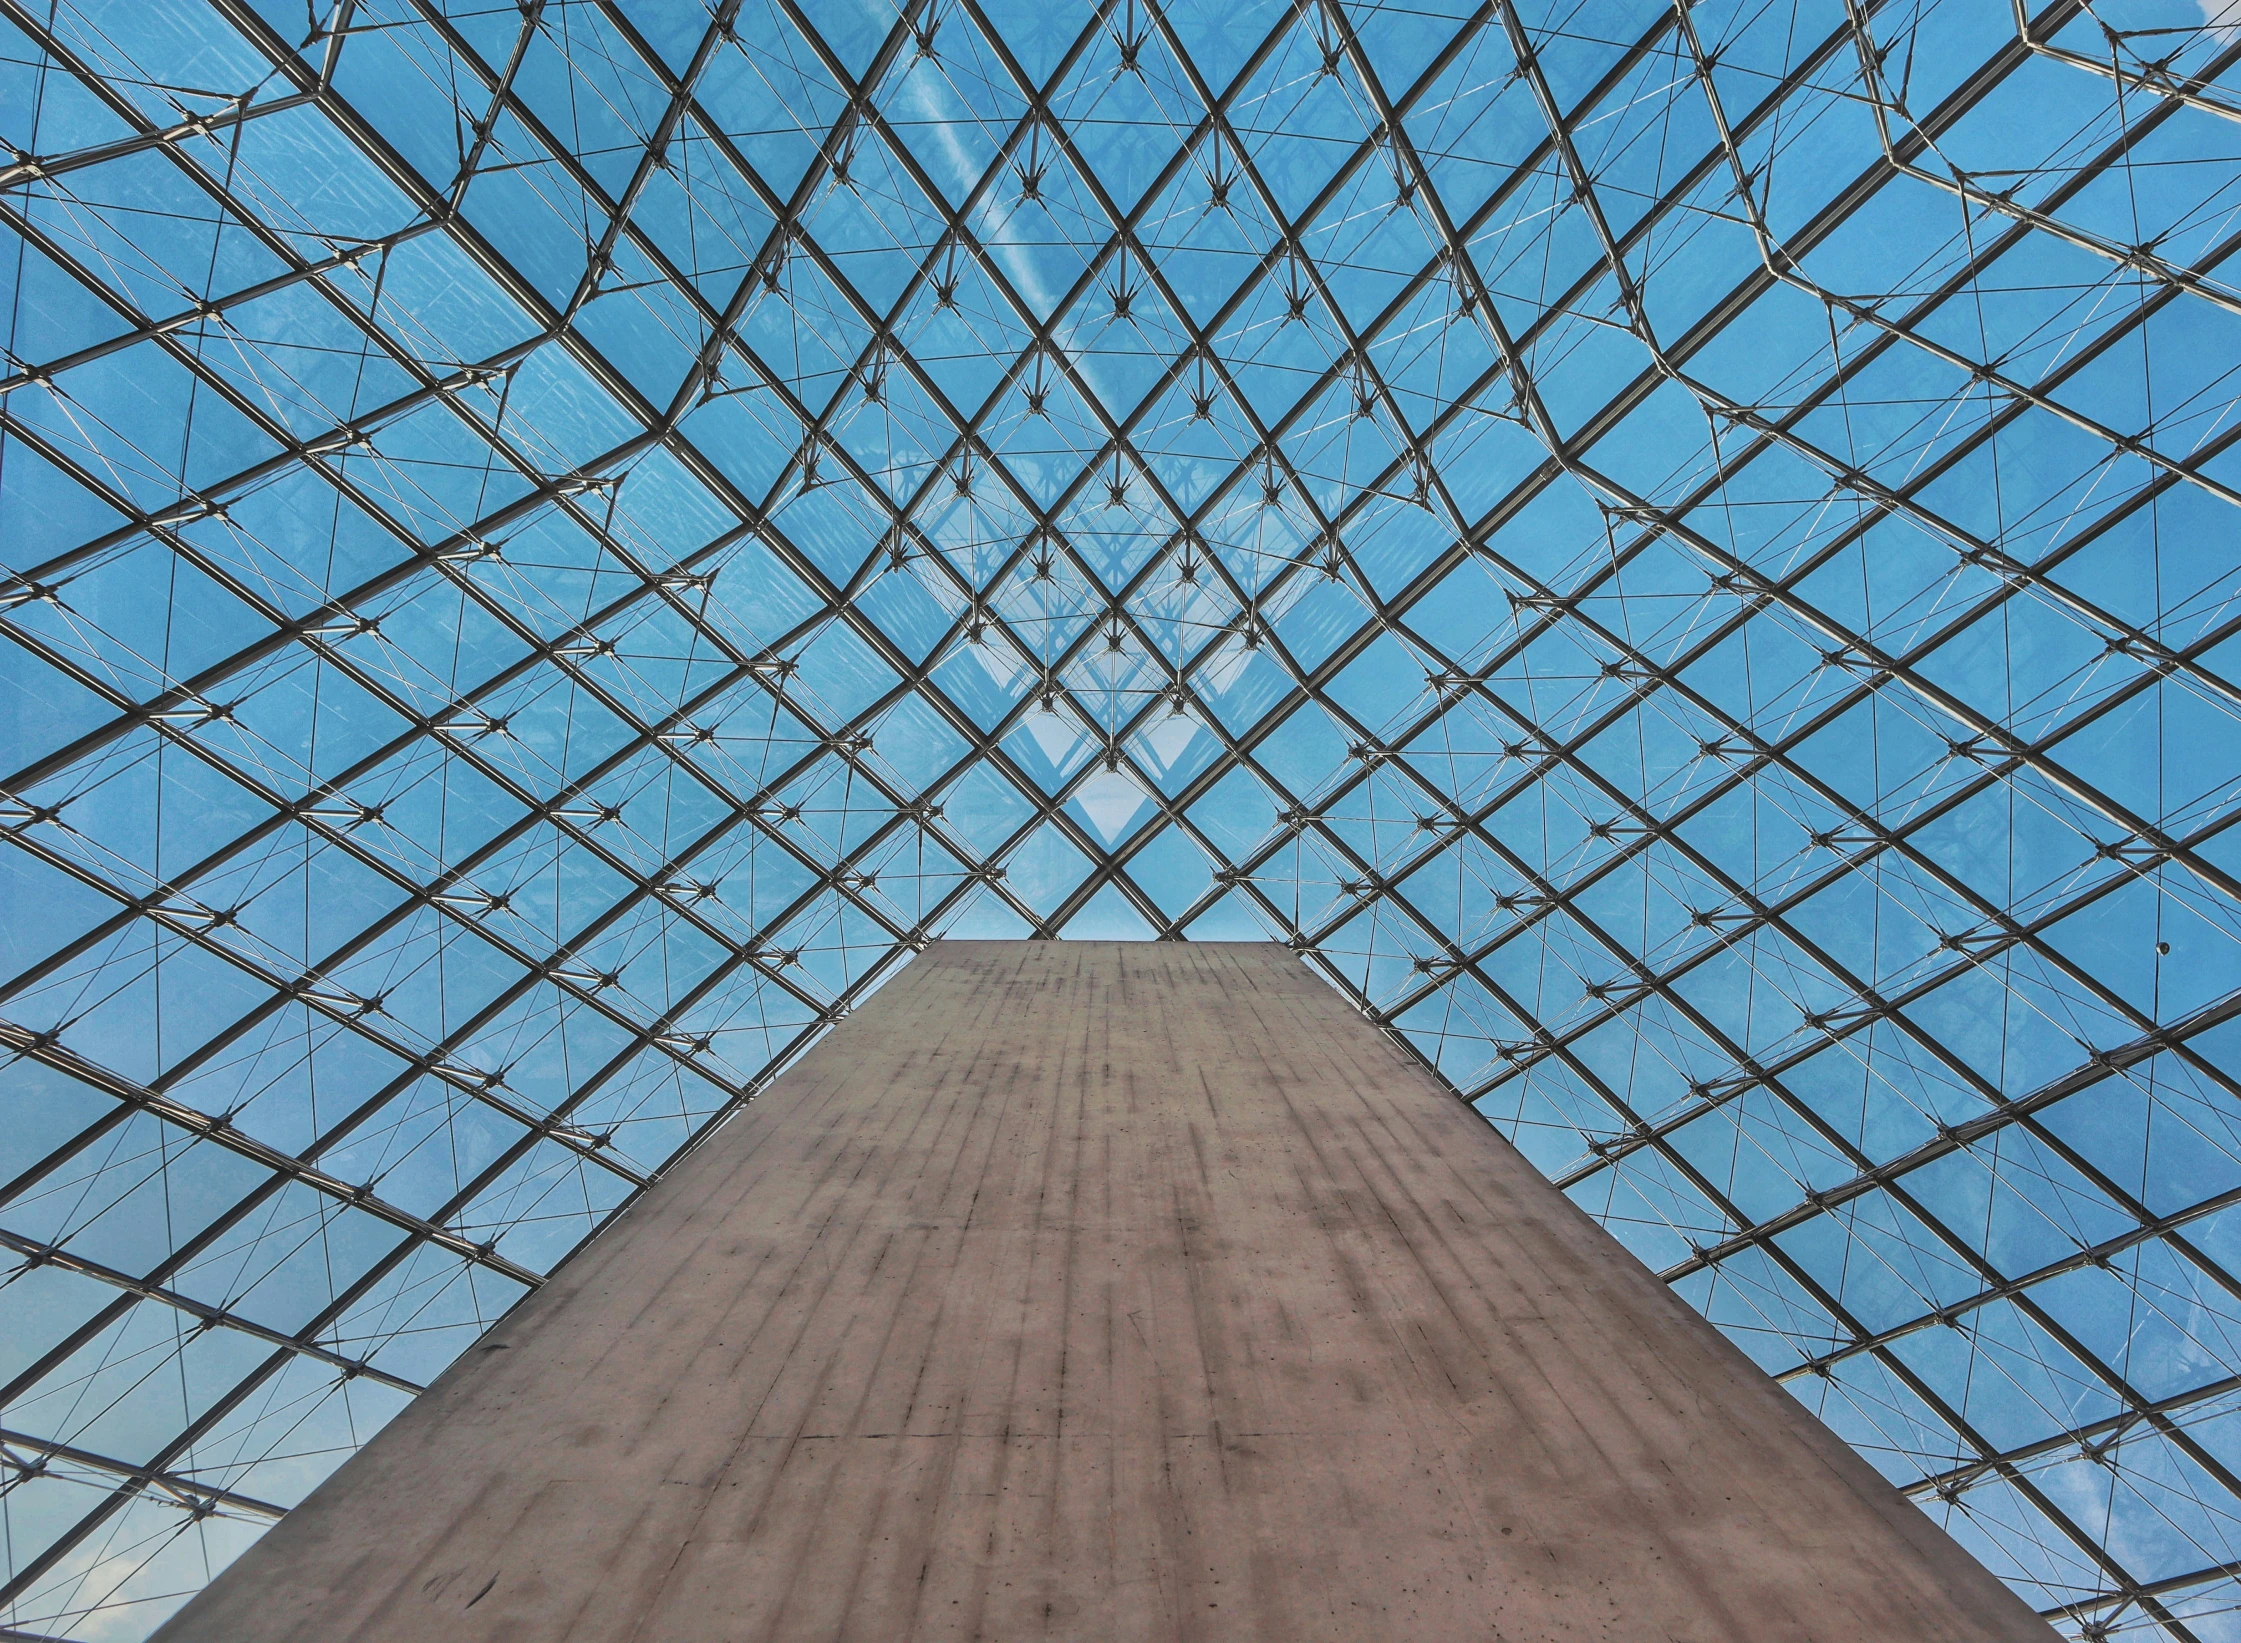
x=1684, y=555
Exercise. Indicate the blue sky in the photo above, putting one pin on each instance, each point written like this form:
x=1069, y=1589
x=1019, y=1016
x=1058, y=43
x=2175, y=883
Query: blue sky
x=1686, y=561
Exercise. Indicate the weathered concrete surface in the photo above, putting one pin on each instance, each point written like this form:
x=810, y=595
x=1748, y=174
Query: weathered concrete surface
x=1080, y=1290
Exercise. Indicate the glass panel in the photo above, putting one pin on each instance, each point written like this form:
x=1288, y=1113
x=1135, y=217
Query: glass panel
x=1683, y=557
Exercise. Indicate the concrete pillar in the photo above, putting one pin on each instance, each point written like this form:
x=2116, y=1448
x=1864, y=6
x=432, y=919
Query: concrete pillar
x=1105, y=1291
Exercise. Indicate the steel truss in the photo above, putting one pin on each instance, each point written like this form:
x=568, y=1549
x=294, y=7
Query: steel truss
x=1719, y=775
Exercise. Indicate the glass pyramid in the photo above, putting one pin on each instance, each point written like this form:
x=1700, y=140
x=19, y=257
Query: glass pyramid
x=1687, y=558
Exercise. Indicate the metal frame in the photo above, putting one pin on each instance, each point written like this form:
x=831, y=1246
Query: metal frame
x=792, y=956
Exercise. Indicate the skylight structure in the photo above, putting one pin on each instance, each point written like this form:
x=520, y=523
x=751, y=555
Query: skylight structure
x=1687, y=558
